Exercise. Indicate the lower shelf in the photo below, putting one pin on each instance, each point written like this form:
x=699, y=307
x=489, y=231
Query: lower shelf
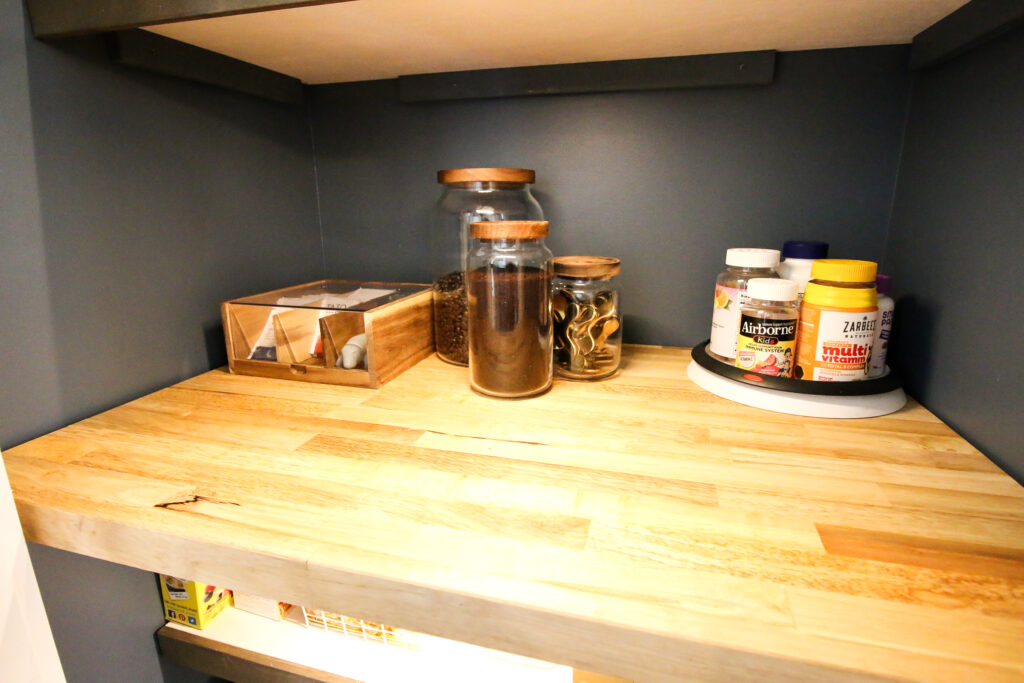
x=240, y=646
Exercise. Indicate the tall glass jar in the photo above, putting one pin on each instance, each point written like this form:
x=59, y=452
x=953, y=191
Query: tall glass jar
x=585, y=311
x=508, y=274
x=469, y=195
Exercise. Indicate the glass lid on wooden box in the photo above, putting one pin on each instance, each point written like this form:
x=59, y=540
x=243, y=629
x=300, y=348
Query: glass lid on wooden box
x=340, y=295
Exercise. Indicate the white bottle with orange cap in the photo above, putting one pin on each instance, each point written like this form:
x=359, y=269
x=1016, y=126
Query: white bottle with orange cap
x=838, y=317
x=741, y=265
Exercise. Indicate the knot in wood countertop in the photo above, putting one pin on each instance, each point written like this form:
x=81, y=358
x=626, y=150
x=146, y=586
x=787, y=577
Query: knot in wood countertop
x=637, y=526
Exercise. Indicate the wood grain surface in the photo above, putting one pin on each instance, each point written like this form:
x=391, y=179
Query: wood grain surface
x=637, y=527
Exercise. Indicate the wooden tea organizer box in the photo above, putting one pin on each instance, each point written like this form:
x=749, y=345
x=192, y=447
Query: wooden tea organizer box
x=299, y=332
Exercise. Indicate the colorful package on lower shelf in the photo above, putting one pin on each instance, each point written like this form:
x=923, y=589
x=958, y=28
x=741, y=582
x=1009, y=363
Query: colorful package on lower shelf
x=192, y=603
x=364, y=630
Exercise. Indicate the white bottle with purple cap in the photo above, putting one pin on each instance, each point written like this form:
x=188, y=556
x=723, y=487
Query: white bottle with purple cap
x=797, y=259
x=883, y=329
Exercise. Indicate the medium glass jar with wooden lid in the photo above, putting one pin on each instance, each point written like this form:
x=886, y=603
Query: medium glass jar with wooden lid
x=508, y=280
x=585, y=313
x=470, y=195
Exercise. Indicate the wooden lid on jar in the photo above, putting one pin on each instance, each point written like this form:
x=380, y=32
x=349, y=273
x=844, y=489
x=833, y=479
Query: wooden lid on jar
x=508, y=230
x=485, y=175
x=586, y=266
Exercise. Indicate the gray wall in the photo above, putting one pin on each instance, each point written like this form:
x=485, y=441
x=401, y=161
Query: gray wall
x=665, y=180
x=956, y=245
x=130, y=207
x=104, y=617
x=30, y=393
x=155, y=200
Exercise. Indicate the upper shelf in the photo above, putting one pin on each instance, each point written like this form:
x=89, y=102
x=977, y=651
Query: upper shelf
x=375, y=39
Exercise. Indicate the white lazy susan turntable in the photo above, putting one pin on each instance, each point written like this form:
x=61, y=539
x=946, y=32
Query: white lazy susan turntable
x=866, y=398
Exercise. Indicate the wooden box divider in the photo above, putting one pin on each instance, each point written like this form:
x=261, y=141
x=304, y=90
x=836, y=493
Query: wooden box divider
x=294, y=333
x=336, y=329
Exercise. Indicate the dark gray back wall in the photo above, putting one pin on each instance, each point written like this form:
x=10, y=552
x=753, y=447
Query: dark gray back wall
x=104, y=617
x=156, y=200
x=666, y=180
x=956, y=245
x=130, y=206
x=30, y=399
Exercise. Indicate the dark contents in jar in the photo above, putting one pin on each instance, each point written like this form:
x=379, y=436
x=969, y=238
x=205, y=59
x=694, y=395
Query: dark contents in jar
x=511, y=330
x=451, y=333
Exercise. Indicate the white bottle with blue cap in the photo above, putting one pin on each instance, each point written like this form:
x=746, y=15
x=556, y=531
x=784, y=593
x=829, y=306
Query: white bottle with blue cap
x=796, y=264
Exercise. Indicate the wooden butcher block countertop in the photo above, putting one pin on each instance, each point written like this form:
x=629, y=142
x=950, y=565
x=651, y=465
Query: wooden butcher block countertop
x=639, y=527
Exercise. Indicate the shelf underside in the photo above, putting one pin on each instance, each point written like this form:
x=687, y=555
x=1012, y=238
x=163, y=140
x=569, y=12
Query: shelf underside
x=269, y=48
x=374, y=39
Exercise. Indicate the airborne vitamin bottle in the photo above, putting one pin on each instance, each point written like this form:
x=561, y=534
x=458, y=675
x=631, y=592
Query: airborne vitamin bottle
x=838, y=317
x=768, y=322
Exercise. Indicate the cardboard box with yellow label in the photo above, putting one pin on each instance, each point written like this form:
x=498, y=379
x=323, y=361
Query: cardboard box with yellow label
x=192, y=603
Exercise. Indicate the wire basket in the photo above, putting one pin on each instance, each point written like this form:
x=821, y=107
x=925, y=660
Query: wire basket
x=356, y=628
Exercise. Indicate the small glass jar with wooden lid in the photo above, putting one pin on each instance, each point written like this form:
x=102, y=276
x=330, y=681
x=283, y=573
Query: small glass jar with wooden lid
x=585, y=313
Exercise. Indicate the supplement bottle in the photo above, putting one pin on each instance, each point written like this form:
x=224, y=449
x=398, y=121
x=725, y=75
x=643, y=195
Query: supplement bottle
x=508, y=286
x=838, y=317
x=741, y=265
x=767, y=339
x=880, y=347
x=797, y=258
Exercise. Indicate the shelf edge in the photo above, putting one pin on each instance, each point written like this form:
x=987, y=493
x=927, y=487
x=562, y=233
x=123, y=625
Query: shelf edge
x=695, y=71
x=971, y=26
x=64, y=18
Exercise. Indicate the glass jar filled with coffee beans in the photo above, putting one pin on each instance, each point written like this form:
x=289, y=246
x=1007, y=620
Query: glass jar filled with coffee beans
x=508, y=282
x=470, y=195
x=585, y=313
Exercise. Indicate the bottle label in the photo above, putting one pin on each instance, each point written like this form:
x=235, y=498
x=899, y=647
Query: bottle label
x=766, y=346
x=835, y=346
x=725, y=320
x=880, y=348
x=176, y=588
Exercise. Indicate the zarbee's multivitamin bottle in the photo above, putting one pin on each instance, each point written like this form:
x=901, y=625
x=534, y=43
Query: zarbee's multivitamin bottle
x=837, y=321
